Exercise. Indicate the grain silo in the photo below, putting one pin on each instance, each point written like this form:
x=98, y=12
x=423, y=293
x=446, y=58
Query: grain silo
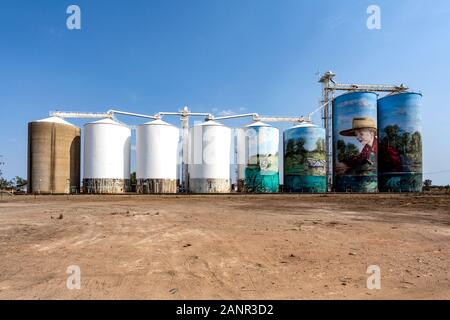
x=305, y=159
x=157, y=157
x=240, y=158
x=355, y=142
x=107, y=152
x=400, y=155
x=261, y=158
x=53, y=156
x=209, y=159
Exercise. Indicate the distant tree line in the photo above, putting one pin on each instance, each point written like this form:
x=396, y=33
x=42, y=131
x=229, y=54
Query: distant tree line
x=428, y=185
x=15, y=183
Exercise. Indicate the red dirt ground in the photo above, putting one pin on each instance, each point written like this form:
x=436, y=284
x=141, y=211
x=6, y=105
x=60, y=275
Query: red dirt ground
x=225, y=247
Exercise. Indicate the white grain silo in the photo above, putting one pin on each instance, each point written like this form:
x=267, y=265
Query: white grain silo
x=156, y=157
x=240, y=158
x=209, y=159
x=107, y=149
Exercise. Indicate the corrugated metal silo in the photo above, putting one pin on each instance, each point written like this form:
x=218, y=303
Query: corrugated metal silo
x=305, y=159
x=355, y=142
x=210, y=159
x=240, y=158
x=261, y=158
x=400, y=157
x=107, y=152
x=156, y=157
x=53, y=156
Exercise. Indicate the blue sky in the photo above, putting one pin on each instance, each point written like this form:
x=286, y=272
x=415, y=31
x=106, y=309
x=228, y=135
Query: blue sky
x=216, y=55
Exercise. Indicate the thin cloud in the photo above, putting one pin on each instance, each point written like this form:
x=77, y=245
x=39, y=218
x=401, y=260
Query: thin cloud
x=227, y=112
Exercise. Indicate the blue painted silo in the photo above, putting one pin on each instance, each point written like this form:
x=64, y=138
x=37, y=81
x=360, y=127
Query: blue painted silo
x=261, y=158
x=305, y=159
x=400, y=156
x=355, y=142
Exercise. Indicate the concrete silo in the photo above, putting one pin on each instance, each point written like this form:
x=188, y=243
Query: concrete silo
x=107, y=149
x=210, y=158
x=400, y=154
x=156, y=157
x=53, y=156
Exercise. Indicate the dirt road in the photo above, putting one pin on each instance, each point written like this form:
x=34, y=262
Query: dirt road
x=225, y=247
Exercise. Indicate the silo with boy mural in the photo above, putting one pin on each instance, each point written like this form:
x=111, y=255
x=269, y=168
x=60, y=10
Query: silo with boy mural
x=355, y=142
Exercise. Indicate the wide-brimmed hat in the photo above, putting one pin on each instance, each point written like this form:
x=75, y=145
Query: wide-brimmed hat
x=359, y=123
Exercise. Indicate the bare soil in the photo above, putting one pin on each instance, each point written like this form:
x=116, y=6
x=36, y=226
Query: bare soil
x=225, y=247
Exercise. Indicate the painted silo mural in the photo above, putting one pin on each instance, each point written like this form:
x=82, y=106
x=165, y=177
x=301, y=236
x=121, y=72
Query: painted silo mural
x=355, y=142
x=400, y=157
x=305, y=159
x=261, y=170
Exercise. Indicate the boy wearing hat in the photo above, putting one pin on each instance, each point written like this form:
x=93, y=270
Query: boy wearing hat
x=365, y=131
